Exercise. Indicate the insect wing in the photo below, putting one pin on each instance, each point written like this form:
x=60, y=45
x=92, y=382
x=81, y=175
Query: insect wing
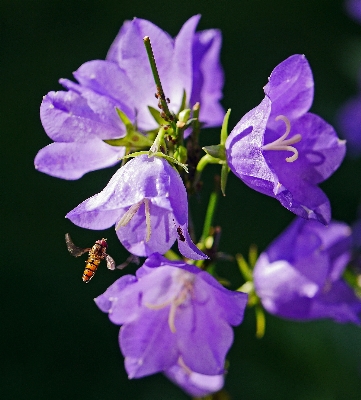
x=131, y=259
x=110, y=262
x=74, y=250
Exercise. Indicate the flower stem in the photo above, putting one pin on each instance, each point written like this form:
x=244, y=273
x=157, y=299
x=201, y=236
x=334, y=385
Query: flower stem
x=158, y=83
x=213, y=200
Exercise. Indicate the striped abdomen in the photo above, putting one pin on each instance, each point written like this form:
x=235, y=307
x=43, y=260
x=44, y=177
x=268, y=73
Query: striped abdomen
x=90, y=268
x=96, y=254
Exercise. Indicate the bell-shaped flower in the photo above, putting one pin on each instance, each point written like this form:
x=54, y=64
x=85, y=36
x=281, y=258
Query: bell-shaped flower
x=81, y=119
x=174, y=314
x=299, y=276
x=349, y=121
x=282, y=150
x=353, y=8
x=147, y=202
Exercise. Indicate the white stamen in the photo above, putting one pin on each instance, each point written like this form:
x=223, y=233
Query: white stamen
x=282, y=144
x=174, y=302
x=128, y=215
x=171, y=317
x=158, y=306
x=147, y=220
x=173, y=308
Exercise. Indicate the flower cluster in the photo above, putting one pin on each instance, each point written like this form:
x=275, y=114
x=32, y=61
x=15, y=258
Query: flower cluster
x=349, y=121
x=176, y=317
x=81, y=119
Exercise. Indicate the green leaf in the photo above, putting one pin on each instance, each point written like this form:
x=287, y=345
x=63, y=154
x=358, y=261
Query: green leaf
x=216, y=151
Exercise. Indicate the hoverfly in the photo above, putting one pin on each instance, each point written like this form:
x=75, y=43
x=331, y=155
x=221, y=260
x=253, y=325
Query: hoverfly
x=96, y=254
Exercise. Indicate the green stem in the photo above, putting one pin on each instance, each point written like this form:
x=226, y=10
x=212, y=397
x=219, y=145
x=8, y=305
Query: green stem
x=158, y=83
x=260, y=322
x=213, y=200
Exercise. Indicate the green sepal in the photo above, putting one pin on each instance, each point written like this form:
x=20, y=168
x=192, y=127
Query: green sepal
x=156, y=115
x=158, y=143
x=172, y=160
x=133, y=138
x=224, y=176
x=224, y=130
x=244, y=268
x=216, y=151
x=126, y=121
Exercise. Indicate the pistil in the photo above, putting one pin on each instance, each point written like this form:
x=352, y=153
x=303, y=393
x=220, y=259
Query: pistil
x=283, y=144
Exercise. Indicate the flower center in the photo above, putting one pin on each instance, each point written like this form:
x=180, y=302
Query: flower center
x=126, y=218
x=283, y=144
x=184, y=292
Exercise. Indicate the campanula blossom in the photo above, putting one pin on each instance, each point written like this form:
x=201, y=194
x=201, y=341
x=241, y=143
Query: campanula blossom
x=174, y=315
x=353, y=8
x=80, y=119
x=282, y=150
x=147, y=202
x=349, y=122
x=299, y=276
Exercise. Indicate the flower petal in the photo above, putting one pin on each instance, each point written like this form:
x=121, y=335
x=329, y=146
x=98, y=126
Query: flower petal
x=102, y=79
x=179, y=78
x=67, y=117
x=203, y=349
x=244, y=153
x=148, y=348
x=186, y=246
x=194, y=384
x=163, y=233
x=73, y=160
x=320, y=152
x=208, y=76
x=349, y=121
x=290, y=88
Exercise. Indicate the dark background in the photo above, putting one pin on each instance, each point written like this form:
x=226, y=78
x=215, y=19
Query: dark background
x=55, y=343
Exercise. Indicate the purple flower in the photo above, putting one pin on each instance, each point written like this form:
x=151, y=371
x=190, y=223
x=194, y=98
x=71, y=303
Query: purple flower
x=353, y=8
x=80, y=119
x=260, y=153
x=349, y=122
x=147, y=201
x=299, y=276
x=174, y=315
x=197, y=385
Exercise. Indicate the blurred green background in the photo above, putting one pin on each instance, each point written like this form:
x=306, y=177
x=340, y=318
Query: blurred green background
x=55, y=343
